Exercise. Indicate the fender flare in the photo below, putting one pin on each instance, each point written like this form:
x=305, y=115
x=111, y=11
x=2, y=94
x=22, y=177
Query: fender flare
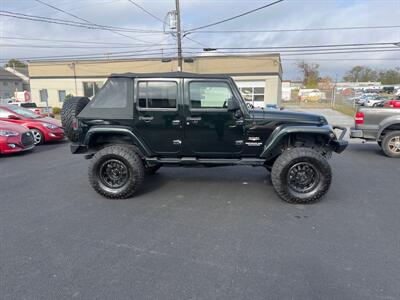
x=139, y=143
x=282, y=131
x=386, y=123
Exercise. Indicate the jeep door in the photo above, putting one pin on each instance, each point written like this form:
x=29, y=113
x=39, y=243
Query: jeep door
x=210, y=129
x=157, y=117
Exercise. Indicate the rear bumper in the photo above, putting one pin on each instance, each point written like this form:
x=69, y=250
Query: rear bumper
x=340, y=144
x=78, y=148
x=356, y=133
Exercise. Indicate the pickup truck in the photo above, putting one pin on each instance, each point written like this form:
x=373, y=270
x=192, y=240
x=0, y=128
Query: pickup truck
x=381, y=125
x=42, y=111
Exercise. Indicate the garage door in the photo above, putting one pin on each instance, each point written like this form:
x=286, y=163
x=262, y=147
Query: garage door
x=252, y=92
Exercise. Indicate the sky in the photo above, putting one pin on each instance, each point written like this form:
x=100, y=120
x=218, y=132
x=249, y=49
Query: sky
x=289, y=14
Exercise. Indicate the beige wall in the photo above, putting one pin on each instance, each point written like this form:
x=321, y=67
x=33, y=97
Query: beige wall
x=61, y=75
x=54, y=85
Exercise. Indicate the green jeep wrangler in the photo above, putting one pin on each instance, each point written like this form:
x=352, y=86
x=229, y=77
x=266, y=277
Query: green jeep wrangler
x=138, y=123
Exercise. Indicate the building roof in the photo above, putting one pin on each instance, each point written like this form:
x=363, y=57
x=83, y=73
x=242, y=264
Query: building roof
x=170, y=75
x=23, y=71
x=5, y=75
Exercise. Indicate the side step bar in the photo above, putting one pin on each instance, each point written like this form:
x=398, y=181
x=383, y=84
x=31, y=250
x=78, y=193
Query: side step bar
x=207, y=161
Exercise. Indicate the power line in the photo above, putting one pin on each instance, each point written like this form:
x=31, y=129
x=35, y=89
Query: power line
x=237, y=16
x=307, y=46
x=50, y=46
x=146, y=11
x=87, y=21
x=70, y=41
x=296, y=30
x=73, y=23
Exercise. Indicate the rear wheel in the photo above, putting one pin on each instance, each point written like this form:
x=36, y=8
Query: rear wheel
x=116, y=172
x=391, y=144
x=70, y=110
x=301, y=176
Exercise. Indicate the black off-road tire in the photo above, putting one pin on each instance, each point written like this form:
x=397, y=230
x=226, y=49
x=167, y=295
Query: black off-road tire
x=387, y=147
x=294, y=158
x=70, y=109
x=124, y=154
x=151, y=170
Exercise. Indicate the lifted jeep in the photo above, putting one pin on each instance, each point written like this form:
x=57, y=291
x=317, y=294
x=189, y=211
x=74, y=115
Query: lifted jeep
x=138, y=123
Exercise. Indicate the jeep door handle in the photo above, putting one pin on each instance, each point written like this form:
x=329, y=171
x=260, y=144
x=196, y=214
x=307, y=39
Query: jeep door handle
x=239, y=122
x=193, y=119
x=146, y=119
x=176, y=122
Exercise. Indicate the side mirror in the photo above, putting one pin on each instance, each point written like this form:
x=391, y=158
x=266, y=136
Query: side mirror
x=233, y=105
x=13, y=117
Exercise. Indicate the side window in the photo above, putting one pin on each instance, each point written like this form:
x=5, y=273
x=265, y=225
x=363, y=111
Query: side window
x=157, y=94
x=4, y=113
x=209, y=95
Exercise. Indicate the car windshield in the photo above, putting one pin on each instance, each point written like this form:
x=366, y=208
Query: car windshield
x=23, y=112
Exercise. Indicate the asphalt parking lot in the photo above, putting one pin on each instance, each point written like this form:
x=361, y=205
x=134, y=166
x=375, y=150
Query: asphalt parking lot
x=218, y=233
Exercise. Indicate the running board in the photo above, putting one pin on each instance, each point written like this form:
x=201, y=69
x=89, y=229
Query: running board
x=207, y=161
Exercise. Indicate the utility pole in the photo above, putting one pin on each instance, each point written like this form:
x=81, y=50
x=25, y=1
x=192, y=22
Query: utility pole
x=178, y=34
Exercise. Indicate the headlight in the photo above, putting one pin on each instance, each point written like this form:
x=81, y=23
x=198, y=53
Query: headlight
x=50, y=126
x=8, y=133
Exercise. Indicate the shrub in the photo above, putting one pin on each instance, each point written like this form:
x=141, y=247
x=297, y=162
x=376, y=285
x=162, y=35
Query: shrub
x=56, y=110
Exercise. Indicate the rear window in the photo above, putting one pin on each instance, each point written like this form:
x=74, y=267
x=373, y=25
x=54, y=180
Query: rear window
x=28, y=105
x=114, y=94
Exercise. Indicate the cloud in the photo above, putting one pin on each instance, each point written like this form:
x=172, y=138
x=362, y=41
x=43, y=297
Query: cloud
x=288, y=14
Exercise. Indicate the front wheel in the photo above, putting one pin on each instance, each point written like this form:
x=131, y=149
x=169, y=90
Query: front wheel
x=38, y=137
x=301, y=176
x=116, y=172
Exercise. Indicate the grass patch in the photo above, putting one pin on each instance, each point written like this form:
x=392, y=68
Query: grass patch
x=345, y=109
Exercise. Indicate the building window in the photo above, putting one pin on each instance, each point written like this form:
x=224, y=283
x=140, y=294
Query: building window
x=252, y=92
x=157, y=94
x=209, y=95
x=16, y=82
x=5, y=83
x=43, y=95
x=61, y=95
x=90, y=89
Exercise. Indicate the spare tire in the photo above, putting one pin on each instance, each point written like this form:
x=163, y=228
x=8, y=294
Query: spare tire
x=70, y=109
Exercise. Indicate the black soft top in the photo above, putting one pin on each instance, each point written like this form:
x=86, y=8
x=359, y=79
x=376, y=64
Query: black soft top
x=169, y=75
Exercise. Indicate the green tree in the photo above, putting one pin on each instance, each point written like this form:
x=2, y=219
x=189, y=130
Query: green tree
x=15, y=63
x=361, y=74
x=310, y=74
x=390, y=76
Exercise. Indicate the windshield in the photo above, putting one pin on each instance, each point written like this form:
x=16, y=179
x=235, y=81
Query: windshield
x=23, y=112
x=29, y=105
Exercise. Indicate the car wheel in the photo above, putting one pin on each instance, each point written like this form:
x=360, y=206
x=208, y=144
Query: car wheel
x=70, y=110
x=150, y=170
x=301, y=176
x=116, y=172
x=37, y=136
x=391, y=144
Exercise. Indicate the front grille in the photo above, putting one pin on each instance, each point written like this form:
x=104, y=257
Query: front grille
x=27, y=139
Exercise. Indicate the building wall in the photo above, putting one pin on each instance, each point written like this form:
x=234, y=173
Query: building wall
x=55, y=76
x=8, y=87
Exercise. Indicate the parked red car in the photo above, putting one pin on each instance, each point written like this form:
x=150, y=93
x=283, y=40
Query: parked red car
x=15, y=138
x=392, y=104
x=44, y=129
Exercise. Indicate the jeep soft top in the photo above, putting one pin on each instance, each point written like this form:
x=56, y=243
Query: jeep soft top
x=138, y=123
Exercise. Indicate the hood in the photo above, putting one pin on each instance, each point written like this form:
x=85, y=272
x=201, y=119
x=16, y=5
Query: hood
x=48, y=120
x=287, y=116
x=13, y=127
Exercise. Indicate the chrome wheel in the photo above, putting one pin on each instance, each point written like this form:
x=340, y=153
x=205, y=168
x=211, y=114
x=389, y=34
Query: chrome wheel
x=394, y=144
x=113, y=173
x=37, y=136
x=303, y=178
